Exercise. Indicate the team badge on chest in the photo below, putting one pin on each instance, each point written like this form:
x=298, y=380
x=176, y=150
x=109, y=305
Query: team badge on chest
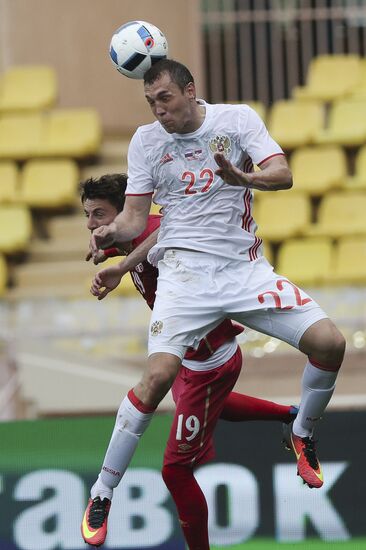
x=220, y=144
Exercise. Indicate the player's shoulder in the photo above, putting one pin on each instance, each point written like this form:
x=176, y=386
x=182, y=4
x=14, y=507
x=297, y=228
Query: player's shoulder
x=231, y=107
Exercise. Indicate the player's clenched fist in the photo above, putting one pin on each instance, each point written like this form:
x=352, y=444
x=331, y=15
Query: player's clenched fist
x=102, y=237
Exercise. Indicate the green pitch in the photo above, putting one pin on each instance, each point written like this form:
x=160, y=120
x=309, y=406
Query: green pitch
x=265, y=544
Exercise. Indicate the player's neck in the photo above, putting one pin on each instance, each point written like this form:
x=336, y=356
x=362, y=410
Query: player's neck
x=196, y=120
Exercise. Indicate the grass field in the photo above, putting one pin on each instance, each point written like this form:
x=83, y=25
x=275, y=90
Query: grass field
x=266, y=544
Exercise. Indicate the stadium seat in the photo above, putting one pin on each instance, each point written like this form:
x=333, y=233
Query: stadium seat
x=49, y=183
x=316, y=170
x=295, y=123
x=20, y=135
x=74, y=133
x=341, y=214
x=9, y=177
x=28, y=87
x=347, y=124
x=3, y=275
x=330, y=77
x=15, y=228
x=306, y=261
x=268, y=251
x=358, y=180
x=155, y=208
x=280, y=215
x=359, y=91
x=350, y=261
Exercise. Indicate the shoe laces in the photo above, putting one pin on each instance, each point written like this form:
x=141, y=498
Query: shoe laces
x=310, y=452
x=98, y=512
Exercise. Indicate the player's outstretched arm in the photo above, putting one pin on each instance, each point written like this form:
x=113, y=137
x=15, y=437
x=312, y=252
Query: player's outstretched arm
x=273, y=176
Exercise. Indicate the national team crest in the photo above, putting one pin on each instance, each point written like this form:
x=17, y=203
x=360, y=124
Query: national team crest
x=156, y=328
x=220, y=144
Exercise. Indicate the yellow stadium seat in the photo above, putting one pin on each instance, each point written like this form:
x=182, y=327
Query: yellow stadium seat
x=350, y=261
x=315, y=170
x=330, y=77
x=28, y=87
x=75, y=133
x=3, y=275
x=9, y=178
x=15, y=228
x=306, y=261
x=359, y=91
x=295, y=123
x=268, y=251
x=347, y=124
x=280, y=215
x=341, y=214
x=155, y=208
x=20, y=135
x=49, y=183
x=358, y=180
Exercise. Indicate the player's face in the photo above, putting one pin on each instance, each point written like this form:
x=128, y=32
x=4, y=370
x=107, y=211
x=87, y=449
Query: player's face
x=99, y=212
x=172, y=107
x=102, y=212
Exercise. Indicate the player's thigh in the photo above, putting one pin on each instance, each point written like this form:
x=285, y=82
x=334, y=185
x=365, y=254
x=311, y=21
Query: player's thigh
x=287, y=325
x=200, y=397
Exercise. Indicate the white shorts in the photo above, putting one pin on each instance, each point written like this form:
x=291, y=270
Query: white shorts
x=196, y=291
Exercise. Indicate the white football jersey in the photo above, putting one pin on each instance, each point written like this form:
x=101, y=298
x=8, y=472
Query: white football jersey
x=200, y=211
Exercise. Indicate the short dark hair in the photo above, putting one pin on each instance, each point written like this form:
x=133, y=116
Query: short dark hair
x=178, y=73
x=110, y=187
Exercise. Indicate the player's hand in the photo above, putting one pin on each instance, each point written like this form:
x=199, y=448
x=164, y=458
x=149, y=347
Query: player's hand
x=98, y=258
x=105, y=281
x=230, y=173
x=102, y=237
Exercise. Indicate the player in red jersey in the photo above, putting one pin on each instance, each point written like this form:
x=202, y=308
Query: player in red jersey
x=190, y=441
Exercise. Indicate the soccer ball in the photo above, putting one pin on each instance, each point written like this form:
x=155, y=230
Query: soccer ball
x=136, y=46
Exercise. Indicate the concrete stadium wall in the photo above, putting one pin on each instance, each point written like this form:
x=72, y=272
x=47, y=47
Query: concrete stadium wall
x=74, y=35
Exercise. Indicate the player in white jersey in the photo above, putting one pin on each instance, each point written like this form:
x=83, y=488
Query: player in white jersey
x=197, y=159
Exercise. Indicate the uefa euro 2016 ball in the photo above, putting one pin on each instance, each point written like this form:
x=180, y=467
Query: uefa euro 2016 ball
x=136, y=46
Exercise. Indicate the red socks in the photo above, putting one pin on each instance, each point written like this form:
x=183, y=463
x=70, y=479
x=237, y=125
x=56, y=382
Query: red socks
x=191, y=505
x=239, y=408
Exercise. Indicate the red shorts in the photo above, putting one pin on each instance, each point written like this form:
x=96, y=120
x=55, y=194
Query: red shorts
x=199, y=398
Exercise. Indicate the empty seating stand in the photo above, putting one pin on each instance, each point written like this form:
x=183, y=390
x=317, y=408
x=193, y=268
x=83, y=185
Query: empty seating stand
x=295, y=123
x=49, y=184
x=28, y=88
x=331, y=77
x=316, y=170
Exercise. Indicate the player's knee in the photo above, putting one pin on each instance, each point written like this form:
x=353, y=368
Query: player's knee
x=159, y=381
x=176, y=476
x=327, y=345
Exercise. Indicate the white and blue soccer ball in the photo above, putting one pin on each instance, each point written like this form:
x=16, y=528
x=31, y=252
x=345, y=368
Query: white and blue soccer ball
x=136, y=46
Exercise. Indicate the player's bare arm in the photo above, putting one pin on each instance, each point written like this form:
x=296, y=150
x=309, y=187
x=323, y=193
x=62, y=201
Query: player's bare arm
x=273, y=176
x=130, y=223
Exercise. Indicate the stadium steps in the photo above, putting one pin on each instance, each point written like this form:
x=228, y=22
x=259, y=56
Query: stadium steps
x=52, y=279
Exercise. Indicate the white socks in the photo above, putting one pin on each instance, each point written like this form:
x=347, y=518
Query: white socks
x=129, y=427
x=317, y=387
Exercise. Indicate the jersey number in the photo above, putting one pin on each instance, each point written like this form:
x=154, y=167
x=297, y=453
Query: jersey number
x=192, y=424
x=190, y=177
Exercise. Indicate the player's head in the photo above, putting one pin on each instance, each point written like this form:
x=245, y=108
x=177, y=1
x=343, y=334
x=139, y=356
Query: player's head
x=103, y=198
x=171, y=94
